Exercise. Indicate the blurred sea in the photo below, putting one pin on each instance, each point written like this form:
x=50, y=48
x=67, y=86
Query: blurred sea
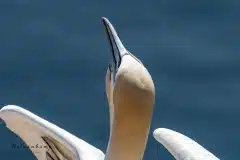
x=53, y=60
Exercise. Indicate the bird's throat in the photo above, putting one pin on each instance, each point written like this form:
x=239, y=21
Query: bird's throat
x=132, y=115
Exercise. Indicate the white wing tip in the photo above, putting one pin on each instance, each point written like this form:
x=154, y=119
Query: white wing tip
x=157, y=132
x=10, y=107
x=181, y=146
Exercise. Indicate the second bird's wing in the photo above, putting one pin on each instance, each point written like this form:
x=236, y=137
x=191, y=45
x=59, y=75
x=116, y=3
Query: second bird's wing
x=46, y=140
x=181, y=146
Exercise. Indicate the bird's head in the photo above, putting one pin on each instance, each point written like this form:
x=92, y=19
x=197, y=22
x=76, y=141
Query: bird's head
x=127, y=80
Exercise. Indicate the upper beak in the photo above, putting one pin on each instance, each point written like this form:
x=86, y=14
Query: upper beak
x=116, y=47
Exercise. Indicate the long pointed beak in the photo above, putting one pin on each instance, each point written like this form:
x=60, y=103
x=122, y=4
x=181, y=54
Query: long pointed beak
x=116, y=47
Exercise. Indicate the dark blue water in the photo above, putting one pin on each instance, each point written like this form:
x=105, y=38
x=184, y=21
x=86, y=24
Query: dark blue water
x=53, y=60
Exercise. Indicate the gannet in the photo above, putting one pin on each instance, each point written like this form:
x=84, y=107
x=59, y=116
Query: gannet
x=131, y=94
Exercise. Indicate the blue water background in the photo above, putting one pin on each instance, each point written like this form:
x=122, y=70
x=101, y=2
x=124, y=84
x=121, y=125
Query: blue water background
x=53, y=60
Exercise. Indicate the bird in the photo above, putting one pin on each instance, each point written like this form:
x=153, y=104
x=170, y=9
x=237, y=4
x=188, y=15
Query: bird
x=130, y=94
